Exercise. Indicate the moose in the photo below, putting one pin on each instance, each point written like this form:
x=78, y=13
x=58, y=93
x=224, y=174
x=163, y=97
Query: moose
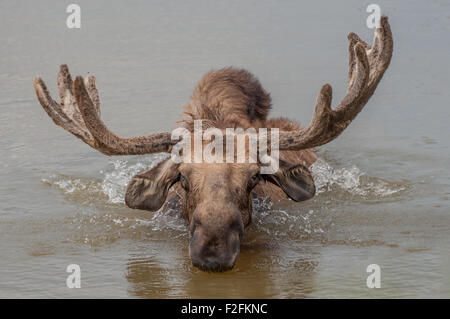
x=216, y=198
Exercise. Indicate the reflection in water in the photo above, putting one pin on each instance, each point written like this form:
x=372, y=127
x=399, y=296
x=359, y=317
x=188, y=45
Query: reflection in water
x=261, y=272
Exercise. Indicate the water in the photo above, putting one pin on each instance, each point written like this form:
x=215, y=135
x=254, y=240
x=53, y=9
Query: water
x=384, y=190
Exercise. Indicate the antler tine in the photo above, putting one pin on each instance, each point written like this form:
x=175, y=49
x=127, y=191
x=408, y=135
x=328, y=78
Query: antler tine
x=367, y=65
x=380, y=55
x=351, y=105
x=58, y=115
x=91, y=87
x=64, y=83
x=158, y=142
x=50, y=106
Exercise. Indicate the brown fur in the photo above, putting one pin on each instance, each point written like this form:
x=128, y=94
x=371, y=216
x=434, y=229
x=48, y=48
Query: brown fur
x=234, y=98
x=228, y=98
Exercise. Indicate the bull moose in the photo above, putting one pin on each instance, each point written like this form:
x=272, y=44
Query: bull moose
x=216, y=198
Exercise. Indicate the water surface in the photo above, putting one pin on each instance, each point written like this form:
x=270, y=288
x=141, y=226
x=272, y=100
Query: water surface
x=384, y=190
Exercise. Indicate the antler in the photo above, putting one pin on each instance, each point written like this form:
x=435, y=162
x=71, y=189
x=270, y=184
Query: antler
x=366, y=68
x=79, y=113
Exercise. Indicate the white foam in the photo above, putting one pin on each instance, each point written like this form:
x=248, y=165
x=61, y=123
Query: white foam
x=116, y=178
x=350, y=180
x=293, y=222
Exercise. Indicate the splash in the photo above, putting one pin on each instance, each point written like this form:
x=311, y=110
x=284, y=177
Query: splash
x=327, y=179
x=279, y=222
x=351, y=180
x=77, y=189
x=103, y=216
x=116, y=178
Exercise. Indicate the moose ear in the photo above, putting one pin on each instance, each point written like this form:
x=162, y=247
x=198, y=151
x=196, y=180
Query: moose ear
x=295, y=180
x=148, y=190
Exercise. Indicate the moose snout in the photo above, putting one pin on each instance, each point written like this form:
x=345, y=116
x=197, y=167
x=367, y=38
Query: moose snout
x=215, y=248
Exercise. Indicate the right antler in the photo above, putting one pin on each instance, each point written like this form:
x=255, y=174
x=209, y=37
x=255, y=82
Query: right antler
x=366, y=68
x=79, y=114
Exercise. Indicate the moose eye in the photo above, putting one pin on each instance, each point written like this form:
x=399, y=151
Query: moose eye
x=255, y=177
x=183, y=181
x=253, y=181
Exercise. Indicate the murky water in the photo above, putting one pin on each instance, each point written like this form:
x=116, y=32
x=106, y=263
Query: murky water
x=384, y=189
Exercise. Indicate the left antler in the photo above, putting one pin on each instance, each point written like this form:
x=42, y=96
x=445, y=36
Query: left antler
x=367, y=65
x=79, y=114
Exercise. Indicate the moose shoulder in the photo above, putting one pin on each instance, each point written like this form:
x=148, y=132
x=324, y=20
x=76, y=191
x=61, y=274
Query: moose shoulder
x=226, y=98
